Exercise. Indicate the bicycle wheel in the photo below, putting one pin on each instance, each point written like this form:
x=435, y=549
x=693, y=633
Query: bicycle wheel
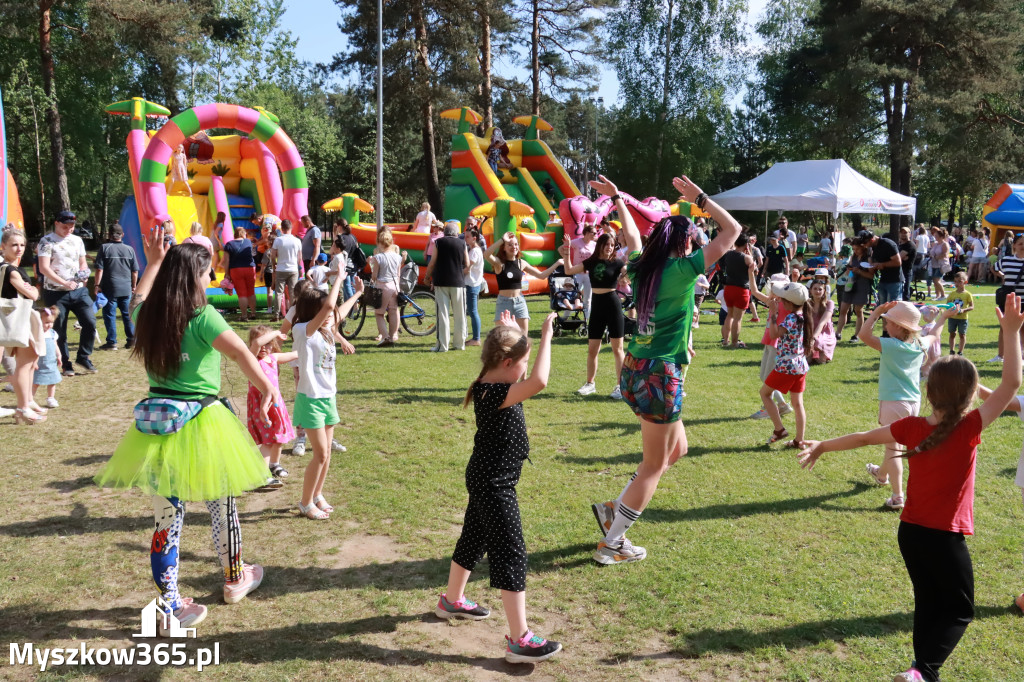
x=352, y=323
x=419, y=313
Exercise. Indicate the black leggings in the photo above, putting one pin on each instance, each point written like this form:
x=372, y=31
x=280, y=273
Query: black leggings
x=940, y=569
x=492, y=526
x=606, y=313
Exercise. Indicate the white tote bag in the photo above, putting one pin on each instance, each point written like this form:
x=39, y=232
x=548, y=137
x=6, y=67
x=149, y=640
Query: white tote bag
x=15, y=319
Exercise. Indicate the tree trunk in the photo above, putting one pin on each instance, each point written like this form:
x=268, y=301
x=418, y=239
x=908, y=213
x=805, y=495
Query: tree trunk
x=39, y=156
x=899, y=141
x=952, y=214
x=663, y=114
x=535, y=59
x=52, y=109
x=427, y=106
x=486, y=103
x=105, y=194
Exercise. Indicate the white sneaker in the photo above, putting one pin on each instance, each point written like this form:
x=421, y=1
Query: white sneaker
x=998, y=358
x=760, y=414
x=784, y=408
x=52, y=402
x=6, y=412
x=616, y=394
x=337, y=447
x=587, y=388
x=299, y=448
x=8, y=388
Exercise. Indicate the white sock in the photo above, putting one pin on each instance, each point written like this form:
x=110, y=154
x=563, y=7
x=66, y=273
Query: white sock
x=618, y=500
x=624, y=518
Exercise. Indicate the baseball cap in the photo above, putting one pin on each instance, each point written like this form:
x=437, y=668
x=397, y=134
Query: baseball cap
x=865, y=235
x=322, y=258
x=66, y=217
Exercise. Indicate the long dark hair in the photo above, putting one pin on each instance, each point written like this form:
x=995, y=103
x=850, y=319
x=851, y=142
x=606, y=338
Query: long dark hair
x=173, y=301
x=602, y=241
x=669, y=236
x=952, y=385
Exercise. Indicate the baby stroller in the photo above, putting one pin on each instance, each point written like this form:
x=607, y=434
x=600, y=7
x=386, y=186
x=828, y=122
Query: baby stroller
x=565, y=296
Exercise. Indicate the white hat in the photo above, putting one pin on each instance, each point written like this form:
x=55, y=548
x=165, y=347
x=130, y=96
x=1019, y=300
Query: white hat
x=779, y=277
x=794, y=292
x=822, y=272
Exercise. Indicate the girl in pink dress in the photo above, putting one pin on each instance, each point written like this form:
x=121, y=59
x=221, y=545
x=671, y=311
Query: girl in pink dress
x=265, y=344
x=823, y=342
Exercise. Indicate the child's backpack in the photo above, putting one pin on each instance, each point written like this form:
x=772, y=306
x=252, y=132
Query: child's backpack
x=409, y=277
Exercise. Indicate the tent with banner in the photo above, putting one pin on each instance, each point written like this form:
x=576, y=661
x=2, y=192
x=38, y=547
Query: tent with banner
x=828, y=186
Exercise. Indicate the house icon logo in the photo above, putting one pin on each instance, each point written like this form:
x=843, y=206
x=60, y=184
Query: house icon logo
x=158, y=617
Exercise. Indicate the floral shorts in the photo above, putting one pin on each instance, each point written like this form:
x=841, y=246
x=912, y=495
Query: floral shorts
x=653, y=389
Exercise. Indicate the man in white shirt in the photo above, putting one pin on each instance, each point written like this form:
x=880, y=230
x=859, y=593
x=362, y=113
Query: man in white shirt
x=786, y=235
x=424, y=219
x=286, y=256
x=64, y=269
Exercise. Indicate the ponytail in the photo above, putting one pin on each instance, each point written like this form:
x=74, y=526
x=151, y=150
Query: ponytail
x=502, y=343
x=805, y=310
x=469, y=391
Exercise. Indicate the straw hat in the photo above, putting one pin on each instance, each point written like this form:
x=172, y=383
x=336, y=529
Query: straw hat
x=906, y=315
x=794, y=292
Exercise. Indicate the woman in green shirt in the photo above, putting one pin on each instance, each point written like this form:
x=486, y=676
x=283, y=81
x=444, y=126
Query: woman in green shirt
x=211, y=458
x=663, y=278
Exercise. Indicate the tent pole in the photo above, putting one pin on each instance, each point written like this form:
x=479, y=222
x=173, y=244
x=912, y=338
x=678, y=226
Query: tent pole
x=766, y=229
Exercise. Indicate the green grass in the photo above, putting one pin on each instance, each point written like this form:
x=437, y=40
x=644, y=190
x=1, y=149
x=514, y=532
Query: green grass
x=757, y=570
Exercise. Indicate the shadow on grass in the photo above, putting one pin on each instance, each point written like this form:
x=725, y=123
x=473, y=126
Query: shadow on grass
x=79, y=522
x=308, y=641
x=71, y=485
x=738, y=640
x=732, y=511
x=88, y=460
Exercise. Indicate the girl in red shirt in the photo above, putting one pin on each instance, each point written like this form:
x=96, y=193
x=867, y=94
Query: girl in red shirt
x=939, y=510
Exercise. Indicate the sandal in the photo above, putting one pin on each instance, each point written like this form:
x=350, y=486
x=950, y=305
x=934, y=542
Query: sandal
x=322, y=504
x=873, y=473
x=778, y=435
x=796, y=444
x=741, y=345
x=278, y=471
x=313, y=513
x=895, y=503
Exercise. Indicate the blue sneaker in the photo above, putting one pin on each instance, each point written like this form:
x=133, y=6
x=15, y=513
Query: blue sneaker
x=530, y=649
x=460, y=609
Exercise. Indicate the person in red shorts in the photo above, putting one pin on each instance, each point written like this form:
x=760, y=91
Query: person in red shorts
x=793, y=338
x=736, y=266
x=241, y=271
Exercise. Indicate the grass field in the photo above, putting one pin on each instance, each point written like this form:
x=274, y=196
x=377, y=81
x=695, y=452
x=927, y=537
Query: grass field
x=757, y=570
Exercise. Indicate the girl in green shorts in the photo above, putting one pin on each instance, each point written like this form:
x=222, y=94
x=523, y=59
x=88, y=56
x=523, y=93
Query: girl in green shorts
x=316, y=406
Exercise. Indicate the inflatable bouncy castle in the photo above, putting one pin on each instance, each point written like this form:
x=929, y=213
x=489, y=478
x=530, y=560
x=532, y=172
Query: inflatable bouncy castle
x=10, y=206
x=230, y=177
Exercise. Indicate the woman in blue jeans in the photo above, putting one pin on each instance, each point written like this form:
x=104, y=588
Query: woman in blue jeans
x=474, y=282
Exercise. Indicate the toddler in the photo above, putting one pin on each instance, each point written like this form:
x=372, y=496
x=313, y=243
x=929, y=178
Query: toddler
x=568, y=298
x=265, y=344
x=48, y=365
x=700, y=290
x=317, y=274
x=964, y=302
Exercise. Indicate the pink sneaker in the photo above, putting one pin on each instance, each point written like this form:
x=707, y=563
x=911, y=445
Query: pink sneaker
x=912, y=675
x=252, y=576
x=189, y=615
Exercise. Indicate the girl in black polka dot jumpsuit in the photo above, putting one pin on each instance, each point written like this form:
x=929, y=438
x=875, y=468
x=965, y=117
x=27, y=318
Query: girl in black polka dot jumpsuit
x=492, y=524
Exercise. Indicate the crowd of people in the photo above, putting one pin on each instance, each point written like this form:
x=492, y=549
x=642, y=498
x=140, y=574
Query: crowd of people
x=186, y=445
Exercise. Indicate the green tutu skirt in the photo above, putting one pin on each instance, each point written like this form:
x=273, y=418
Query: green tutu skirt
x=211, y=457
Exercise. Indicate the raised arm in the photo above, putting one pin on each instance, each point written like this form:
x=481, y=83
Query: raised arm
x=264, y=339
x=566, y=251
x=230, y=344
x=729, y=229
x=491, y=255
x=541, y=274
x=867, y=330
x=998, y=400
x=538, y=379
x=326, y=309
x=155, y=249
x=629, y=232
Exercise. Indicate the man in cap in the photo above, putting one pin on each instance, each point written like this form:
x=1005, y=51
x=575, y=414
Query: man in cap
x=64, y=269
x=117, y=273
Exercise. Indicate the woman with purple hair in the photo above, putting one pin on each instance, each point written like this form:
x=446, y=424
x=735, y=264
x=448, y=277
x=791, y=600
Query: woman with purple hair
x=663, y=278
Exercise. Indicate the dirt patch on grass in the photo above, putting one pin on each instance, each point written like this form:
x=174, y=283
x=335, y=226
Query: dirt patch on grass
x=363, y=550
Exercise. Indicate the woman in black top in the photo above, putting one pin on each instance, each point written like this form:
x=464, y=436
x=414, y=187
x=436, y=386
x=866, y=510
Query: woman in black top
x=908, y=256
x=240, y=269
x=736, y=265
x=14, y=283
x=508, y=266
x=605, y=307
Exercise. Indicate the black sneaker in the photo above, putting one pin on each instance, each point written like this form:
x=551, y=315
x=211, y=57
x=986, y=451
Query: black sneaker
x=68, y=371
x=530, y=649
x=128, y=345
x=108, y=346
x=86, y=364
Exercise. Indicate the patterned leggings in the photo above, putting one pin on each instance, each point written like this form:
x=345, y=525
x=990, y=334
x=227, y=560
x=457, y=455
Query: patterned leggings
x=163, y=552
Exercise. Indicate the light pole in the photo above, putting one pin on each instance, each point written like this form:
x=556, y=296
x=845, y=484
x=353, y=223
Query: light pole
x=380, y=114
x=599, y=102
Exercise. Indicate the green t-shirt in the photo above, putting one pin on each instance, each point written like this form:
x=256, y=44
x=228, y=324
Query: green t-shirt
x=667, y=336
x=966, y=300
x=200, y=363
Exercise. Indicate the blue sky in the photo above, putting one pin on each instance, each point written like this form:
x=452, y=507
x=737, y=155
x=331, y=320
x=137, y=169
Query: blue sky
x=315, y=24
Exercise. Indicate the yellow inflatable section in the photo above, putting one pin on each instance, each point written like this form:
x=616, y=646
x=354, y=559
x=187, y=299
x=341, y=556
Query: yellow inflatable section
x=185, y=210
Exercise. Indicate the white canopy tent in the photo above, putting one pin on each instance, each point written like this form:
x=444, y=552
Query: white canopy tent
x=829, y=186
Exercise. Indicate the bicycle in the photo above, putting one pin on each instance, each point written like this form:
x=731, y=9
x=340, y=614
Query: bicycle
x=417, y=312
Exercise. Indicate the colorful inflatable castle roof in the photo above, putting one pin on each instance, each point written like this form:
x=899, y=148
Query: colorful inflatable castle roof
x=1004, y=211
